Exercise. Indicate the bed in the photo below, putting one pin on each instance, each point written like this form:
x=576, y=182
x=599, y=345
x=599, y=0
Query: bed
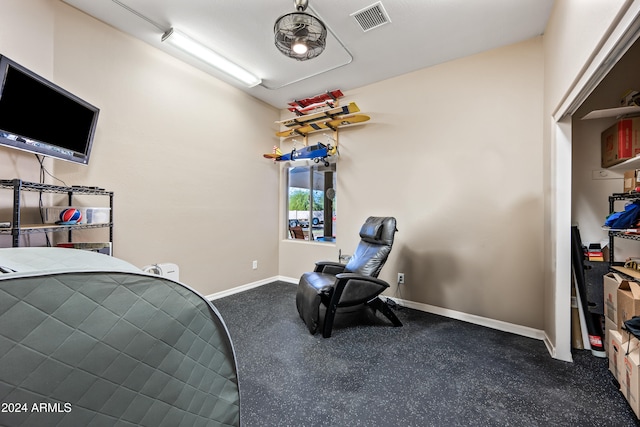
x=88, y=339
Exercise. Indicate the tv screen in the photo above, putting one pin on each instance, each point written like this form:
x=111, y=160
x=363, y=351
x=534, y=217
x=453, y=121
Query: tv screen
x=40, y=117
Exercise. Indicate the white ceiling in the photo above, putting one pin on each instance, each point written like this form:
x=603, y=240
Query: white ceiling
x=421, y=33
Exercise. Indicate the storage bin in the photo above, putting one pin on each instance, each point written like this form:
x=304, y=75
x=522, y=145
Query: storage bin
x=51, y=214
x=97, y=215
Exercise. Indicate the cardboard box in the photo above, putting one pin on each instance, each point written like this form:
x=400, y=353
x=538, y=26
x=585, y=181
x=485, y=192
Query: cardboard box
x=608, y=327
x=620, y=344
x=620, y=142
x=99, y=247
x=629, y=379
x=628, y=302
x=611, y=282
x=616, y=352
x=576, y=329
x=631, y=180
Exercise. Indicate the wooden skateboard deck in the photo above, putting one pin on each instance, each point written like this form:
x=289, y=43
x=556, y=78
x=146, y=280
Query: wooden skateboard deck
x=307, y=105
x=301, y=111
x=331, y=95
x=331, y=124
x=323, y=115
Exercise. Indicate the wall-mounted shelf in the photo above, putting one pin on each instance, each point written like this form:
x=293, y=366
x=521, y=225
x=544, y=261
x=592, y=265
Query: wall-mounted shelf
x=633, y=163
x=612, y=112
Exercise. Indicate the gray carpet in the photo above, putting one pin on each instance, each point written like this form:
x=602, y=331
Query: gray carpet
x=433, y=371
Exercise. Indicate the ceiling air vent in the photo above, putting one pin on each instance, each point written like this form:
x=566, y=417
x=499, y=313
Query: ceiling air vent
x=371, y=17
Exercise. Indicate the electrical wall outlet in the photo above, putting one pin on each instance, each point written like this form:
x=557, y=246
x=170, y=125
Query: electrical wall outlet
x=255, y=264
x=400, y=278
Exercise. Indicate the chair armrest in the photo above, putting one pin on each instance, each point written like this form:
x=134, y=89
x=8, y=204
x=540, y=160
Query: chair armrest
x=329, y=267
x=351, y=289
x=345, y=277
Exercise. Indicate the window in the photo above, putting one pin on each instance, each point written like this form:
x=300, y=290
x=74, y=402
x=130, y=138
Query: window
x=311, y=202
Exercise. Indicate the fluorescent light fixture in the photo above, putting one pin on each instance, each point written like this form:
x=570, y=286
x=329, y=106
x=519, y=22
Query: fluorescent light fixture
x=196, y=49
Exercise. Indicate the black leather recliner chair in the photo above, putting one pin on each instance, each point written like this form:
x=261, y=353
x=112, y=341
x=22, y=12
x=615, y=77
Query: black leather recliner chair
x=355, y=284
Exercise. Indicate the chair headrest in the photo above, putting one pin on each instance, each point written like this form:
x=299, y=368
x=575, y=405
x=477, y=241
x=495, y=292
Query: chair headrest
x=379, y=230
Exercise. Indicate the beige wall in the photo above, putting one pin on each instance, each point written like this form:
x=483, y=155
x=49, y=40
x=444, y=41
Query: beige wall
x=180, y=149
x=34, y=47
x=454, y=153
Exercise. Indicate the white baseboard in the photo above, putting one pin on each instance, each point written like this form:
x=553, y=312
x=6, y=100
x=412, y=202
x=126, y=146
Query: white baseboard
x=554, y=352
x=472, y=318
x=248, y=286
x=453, y=314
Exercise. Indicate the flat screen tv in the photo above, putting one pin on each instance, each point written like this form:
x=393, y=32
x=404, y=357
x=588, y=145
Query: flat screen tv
x=40, y=117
